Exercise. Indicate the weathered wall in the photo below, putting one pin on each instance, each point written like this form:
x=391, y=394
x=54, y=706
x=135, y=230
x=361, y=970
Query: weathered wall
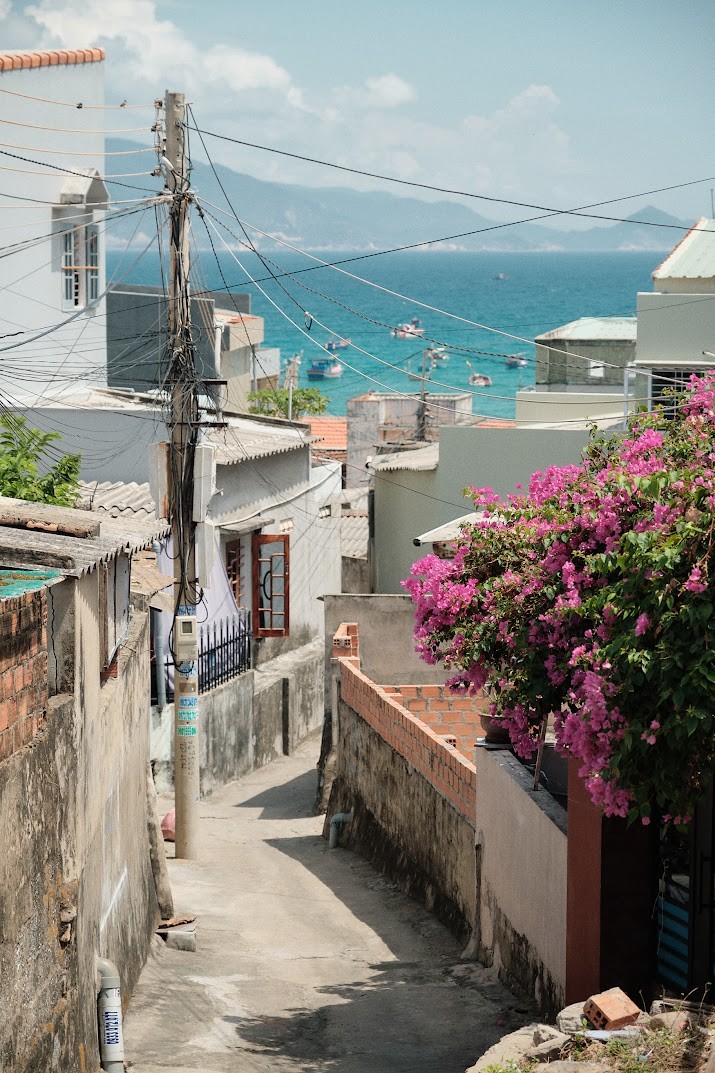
x=412, y=799
x=249, y=721
x=385, y=625
x=521, y=879
x=23, y=669
x=74, y=835
x=356, y=575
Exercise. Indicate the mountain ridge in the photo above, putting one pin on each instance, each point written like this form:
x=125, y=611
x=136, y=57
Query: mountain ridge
x=342, y=219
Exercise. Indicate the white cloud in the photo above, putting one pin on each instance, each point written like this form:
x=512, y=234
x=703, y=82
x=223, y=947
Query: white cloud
x=388, y=91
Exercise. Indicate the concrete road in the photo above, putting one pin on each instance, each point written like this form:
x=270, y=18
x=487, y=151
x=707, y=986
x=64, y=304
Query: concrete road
x=307, y=958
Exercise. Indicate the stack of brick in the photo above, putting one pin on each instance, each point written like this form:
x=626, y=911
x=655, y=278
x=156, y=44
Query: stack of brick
x=23, y=669
x=423, y=748
x=453, y=717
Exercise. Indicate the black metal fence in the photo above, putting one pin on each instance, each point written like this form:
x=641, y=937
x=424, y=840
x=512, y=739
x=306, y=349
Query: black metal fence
x=224, y=653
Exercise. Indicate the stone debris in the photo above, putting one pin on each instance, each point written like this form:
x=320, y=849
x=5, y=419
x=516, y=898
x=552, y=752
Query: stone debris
x=571, y=1019
x=538, y=1042
x=675, y=1020
x=566, y=1066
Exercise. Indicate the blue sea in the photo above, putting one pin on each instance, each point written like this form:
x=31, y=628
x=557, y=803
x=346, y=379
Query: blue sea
x=303, y=310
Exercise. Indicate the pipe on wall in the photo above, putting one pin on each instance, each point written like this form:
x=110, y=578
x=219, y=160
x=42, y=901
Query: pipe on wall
x=336, y=822
x=158, y=636
x=109, y=1016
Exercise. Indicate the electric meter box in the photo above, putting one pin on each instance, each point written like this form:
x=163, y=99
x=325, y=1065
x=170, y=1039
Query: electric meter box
x=185, y=638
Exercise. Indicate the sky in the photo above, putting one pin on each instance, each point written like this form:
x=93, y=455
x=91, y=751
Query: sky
x=557, y=103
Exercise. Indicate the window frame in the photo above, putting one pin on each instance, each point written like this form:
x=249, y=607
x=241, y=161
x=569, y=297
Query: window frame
x=80, y=264
x=259, y=541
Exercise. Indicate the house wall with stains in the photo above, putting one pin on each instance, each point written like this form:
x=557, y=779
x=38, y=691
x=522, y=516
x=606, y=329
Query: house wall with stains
x=75, y=873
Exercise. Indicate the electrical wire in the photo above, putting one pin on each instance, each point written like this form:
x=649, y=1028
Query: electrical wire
x=78, y=152
x=549, y=210
x=74, y=130
x=79, y=105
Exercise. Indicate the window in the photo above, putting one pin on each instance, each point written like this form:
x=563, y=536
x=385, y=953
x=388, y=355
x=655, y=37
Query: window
x=80, y=266
x=271, y=558
x=235, y=568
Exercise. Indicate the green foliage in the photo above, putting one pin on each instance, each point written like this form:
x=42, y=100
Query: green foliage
x=23, y=456
x=273, y=402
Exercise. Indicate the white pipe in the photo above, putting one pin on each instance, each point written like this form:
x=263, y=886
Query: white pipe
x=335, y=823
x=158, y=645
x=109, y=1014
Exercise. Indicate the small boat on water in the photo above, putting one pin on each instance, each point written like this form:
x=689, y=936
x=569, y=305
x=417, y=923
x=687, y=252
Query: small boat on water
x=324, y=369
x=411, y=330
x=515, y=361
x=337, y=344
x=502, y=277
x=480, y=380
x=437, y=355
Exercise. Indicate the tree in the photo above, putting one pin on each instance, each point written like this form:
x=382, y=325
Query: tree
x=24, y=474
x=591, y=597
x=274, y=401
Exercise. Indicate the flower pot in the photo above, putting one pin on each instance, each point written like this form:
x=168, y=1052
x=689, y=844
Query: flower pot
x=495, y=732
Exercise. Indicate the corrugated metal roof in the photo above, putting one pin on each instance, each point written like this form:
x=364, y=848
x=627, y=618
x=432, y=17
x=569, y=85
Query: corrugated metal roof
x=448, y=531
x=354, y=536
x=423, y=458
x=75, y=556
x=243, y=440
x=117, y=498
x=598, y=328
x=693, y=257
x=355, y=499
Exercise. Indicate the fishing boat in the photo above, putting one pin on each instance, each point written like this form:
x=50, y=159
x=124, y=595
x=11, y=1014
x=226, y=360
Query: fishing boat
x=324, y=369
x=480, y=380
x=411, y=330
x=515, y=361
x=337, y=344
x=437, y=355
x=502, y=277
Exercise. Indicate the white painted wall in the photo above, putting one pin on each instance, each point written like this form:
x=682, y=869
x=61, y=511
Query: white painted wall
x=675, y=327
x=31, y=279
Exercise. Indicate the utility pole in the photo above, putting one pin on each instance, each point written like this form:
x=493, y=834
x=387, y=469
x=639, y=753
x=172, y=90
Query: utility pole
x=184, y=425
x=291, y=380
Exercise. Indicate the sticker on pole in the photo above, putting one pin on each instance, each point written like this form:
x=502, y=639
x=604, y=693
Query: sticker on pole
x=187, y=731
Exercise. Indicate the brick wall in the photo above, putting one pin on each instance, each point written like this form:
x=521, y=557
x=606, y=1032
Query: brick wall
x=23, y=669
x=455, y=717
x=383, y=709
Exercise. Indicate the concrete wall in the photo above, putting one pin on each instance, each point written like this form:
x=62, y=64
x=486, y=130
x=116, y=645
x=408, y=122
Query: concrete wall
x=249, y=721
x=31, y=280
x=557, y=367
x=408, y=503
x=534, y=406
x=521, y=879
x=73, y=808
x=385, y=626
x=412, y=799
x=675, y=327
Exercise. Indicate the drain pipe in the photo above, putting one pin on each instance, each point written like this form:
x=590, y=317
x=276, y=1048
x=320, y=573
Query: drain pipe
x=158, y=646
x=109, y=1014
x=335, y=823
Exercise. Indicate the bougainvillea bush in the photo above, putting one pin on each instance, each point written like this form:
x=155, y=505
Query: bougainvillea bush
x=590, y=597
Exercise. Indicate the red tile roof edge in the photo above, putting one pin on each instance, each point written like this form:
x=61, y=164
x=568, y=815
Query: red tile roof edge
x=16, y=61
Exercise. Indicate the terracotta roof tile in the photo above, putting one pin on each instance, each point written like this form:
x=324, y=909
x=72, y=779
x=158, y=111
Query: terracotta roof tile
x=332, y=432
x=15, y=61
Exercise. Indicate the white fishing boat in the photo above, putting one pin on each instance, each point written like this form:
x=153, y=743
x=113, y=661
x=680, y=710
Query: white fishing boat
x=411, y=330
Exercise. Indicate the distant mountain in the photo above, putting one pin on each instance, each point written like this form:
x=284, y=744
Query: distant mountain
x=337, y=218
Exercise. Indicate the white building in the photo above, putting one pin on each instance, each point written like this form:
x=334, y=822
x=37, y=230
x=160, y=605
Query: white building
x=676, y=323
x=52, y=202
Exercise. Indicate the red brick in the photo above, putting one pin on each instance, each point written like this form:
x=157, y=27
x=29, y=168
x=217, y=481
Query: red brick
x=431, y=691
x=439, y=705
x=408, y=691
x=611, y=1009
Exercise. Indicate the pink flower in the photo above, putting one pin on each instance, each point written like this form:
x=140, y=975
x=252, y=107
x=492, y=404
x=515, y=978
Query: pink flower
x=645, y=820
x=642, y=624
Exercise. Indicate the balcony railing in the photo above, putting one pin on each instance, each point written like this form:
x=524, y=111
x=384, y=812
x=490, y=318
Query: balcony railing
x=224, y=653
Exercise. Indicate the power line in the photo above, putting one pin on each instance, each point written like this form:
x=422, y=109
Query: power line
x=80, y=104
x=549, y=210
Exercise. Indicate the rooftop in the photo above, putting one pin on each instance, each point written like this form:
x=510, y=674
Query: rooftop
x=421, y=459
x=593, y=328
x=332, y=432
x=130, y=500
x=38, y=535
x=354, y=535
x=693, y=257
x=17, y=582
x=16, y=61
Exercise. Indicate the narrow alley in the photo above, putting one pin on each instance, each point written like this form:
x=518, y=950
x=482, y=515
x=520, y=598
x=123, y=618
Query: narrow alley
x=307, y=958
